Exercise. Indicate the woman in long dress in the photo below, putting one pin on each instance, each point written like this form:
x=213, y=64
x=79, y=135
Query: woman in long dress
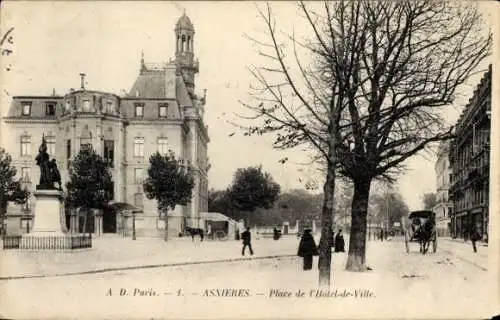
x=339, y=242
x=307, y=249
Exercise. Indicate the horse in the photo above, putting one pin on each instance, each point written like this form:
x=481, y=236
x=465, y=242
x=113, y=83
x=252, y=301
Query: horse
x=195, y=232
x=424, y=234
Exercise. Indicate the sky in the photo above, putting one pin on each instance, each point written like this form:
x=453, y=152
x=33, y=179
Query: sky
x=55, y=41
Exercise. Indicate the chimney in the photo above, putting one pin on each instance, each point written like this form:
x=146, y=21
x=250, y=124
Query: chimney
x=82, y=82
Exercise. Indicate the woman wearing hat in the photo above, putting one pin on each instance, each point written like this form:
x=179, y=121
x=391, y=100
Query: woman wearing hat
x=307, y=249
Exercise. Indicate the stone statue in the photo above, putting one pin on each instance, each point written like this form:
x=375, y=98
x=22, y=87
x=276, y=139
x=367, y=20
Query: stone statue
x=49, y=173
x=42, y=160
x=55, y=175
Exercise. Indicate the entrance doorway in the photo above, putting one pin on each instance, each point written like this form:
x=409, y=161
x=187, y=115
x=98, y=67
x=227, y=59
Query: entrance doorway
x=109, y=220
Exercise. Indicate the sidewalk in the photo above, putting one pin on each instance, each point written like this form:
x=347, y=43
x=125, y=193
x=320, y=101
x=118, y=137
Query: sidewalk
x=119, y=253
x=464, y=251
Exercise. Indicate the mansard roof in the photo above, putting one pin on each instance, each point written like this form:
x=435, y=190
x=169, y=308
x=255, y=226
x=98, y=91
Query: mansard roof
x=38, y=104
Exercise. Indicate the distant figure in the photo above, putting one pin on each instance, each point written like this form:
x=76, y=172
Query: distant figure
x=307, y=249
x=209, y=231
x=381, y=234
x=276, y=234
x=237, y=234
x=339, y=242
x=246, y=236
x=475, y=236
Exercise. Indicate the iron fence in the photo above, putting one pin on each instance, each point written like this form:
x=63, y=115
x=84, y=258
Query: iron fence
x=71, y=242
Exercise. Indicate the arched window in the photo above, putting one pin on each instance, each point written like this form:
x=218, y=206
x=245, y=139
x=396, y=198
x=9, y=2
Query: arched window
x=183, y=43
x=189, y=43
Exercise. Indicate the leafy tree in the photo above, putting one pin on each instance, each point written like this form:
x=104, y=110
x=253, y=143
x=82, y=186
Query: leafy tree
x=370, y=97
x=169, y=182
x=252, y=188
x=10, y=189
x=90, y=184
x=391, y=205
x=429, y=200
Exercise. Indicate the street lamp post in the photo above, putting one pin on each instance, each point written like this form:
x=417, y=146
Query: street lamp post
x=133, y=225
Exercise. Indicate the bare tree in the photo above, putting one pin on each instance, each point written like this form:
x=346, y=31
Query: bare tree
x=372, y=96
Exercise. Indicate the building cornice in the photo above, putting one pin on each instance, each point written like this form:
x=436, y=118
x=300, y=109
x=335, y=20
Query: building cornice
x=38, y=97
x=132, y=121
x=31, y=120
x=146, y=99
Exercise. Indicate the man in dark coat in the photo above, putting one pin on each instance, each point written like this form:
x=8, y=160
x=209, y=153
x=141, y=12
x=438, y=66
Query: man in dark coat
x=246, y=236
x=307, y=249
x=339, y=242
x=475, y=236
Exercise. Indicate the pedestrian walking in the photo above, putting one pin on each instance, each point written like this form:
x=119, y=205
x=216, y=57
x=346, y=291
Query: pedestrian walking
x=307, y=249
x=339, y=242
x=209, y=232
x=381, y=234
x=475, y=236
x=276, y=233
x=246, y=236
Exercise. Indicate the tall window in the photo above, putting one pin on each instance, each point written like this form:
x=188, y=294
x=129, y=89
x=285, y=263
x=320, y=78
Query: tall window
x=109, y=152
x=110, y=190
x=162, y=110
x=162, y=145
x=50, y=109
x=26, y=108
x=51, y=145
x=25, y=146
x=68, y=149
x=26, y=174
x=138, y=147
x=68, y=152
x=138, y=200
x=138, y=175
x=139, y=109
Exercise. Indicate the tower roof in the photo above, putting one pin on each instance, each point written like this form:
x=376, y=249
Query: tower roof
x=184, y=23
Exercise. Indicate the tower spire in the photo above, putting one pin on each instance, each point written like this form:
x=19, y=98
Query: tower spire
x=143, y=65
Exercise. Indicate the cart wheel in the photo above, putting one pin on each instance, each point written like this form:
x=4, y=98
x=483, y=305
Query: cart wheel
x=406, y=242
x=220, y=235
x=434, y=244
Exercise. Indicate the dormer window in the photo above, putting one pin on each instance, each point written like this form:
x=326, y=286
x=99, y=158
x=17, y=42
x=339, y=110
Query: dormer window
x=109, y=107
x=26, y=108
x=162, y=110
x=139, y=109
x=86, y=105
x=50, y=109
x=68, y=106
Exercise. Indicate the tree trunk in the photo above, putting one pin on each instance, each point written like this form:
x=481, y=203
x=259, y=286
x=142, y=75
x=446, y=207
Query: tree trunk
x=357, y=241
x=325, y=251
x=165, y=216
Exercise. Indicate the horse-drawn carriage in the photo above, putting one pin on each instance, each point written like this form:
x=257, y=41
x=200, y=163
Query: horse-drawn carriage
x=421, y=228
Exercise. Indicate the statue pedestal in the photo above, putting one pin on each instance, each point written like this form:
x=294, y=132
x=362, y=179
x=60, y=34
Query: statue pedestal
x=49, y=228
x=49, y=213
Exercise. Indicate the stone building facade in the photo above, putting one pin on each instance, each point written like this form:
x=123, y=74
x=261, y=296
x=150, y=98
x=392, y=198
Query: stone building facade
x=443, y=208
x=470, y=164
x=161, y=112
